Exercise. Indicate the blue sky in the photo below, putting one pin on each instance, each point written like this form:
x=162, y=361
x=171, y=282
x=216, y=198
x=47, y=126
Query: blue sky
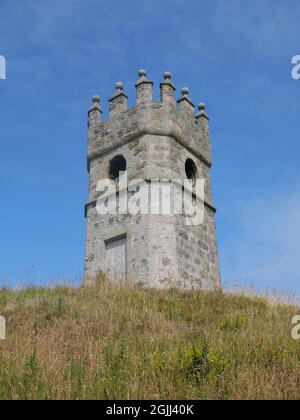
x=234, y=56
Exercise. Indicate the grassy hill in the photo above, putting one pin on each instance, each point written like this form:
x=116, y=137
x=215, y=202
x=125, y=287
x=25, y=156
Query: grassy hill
x=114, y=342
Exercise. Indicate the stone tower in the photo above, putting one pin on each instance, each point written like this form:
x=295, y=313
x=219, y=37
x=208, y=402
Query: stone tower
x=152, y=141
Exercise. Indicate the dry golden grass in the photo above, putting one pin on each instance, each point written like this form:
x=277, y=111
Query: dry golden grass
x=114, y=342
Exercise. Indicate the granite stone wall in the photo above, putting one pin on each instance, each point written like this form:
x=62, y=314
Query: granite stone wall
x=156, y=139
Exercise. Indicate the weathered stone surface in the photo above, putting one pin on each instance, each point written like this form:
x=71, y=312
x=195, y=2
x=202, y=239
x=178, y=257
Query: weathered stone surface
x=156, y=140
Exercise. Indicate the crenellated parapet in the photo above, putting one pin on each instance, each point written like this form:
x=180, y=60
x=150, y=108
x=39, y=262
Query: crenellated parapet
x=169, y=117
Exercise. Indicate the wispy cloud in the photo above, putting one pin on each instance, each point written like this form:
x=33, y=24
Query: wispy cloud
x=264, y=249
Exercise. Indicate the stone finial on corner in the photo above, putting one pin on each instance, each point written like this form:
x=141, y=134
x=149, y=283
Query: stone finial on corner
x=185, y=102
x=203, y=120
x=167, y=91
x=119, y=101
x=96, y=103
x=95, y=111
x=202, y=113
x=119, y=89
x=144, y=88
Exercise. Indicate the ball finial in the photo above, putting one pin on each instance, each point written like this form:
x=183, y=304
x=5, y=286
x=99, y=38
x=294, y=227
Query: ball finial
x=201, y=106
x=96, y=99
x=185, y=91
x=120, y=86
x=142, y=73
x=167, y=75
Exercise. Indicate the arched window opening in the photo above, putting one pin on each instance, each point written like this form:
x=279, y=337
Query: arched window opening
x=191, y=170
x=117, y=165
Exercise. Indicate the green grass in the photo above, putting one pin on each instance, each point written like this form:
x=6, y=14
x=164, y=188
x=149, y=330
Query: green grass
x=114, y=342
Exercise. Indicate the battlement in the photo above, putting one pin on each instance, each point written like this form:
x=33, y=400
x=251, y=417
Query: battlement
x=169, y=117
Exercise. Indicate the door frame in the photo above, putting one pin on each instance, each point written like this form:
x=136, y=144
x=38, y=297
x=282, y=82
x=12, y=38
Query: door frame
x=115, y=239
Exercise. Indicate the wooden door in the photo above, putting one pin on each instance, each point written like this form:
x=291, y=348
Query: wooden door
x=116, y=259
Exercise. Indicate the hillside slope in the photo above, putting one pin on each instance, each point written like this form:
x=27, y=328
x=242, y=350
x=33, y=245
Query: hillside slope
x=114, y=342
